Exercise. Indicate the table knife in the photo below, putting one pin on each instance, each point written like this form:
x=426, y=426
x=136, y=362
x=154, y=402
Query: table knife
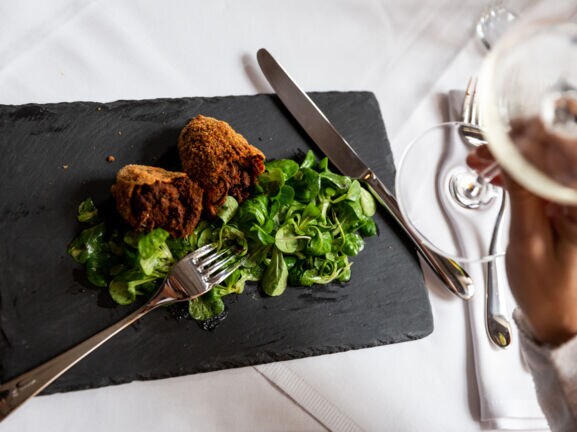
x=345, y=159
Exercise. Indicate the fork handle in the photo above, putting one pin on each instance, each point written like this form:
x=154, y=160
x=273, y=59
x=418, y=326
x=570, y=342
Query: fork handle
x=18, y=390
x=452, y=274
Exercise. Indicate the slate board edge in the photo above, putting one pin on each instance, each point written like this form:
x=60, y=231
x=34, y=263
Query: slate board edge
x=318, y=350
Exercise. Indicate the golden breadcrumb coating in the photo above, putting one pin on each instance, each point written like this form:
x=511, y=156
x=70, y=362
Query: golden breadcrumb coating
x=219, y=159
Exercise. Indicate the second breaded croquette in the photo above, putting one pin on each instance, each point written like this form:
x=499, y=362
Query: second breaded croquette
x=150, y=197
x=219, y=159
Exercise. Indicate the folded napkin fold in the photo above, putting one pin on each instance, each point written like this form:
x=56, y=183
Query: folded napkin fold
x=506, y=390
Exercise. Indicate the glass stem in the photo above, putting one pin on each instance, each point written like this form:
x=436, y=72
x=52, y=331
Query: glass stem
x=481, y=189
x=489, y=173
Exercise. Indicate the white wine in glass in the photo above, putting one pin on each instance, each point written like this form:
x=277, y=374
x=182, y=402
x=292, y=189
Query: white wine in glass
x=528, y=105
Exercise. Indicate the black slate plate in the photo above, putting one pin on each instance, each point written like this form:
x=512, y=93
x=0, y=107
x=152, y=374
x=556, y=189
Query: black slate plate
x=54, y=156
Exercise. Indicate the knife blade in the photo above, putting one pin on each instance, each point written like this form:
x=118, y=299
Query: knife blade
x=346, y=160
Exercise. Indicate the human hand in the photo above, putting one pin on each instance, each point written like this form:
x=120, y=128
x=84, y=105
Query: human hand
x=541, y=257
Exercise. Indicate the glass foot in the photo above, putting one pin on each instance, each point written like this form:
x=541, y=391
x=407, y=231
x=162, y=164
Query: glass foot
x=468, y=192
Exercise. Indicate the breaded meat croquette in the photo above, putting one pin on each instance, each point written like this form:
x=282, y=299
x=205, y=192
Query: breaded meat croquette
x=150, y=197
x=219, y=159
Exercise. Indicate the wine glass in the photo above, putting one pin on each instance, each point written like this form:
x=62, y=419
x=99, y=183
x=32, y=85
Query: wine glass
x=528, y=104
x=527, y=93
x=494, y=21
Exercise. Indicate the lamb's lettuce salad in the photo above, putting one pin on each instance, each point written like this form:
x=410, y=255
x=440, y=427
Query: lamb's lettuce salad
x=298, y=228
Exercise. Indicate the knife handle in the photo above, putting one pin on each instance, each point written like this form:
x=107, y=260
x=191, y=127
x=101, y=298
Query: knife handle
x=449, y=271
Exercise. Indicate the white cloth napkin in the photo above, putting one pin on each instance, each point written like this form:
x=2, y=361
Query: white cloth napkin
x=502, y=395
x=506, y=391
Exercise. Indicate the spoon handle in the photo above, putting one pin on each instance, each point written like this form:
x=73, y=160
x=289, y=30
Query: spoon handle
x=498, y=327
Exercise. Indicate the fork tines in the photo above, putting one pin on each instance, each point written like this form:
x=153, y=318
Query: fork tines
x=470, y=103
x=216, y=266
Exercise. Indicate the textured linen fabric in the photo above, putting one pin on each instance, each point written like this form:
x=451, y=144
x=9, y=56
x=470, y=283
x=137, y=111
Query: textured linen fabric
x=554, y=371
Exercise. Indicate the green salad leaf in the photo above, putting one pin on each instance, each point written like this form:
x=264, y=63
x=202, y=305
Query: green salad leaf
x=87, y=212
x=206, y=307
x=298, y=228
x=125, y=287
x=228, y=209
x=154, y=256
x=274, y=279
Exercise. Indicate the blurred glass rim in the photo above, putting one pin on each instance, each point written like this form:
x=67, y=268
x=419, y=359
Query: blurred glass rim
x=496, y=131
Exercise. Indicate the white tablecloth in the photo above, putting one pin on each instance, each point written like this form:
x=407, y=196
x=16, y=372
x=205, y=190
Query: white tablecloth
x=68, y=50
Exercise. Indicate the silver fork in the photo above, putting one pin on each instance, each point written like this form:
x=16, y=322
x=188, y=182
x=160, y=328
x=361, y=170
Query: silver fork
x=470, y=130
x=192, y=276
x=497, y=324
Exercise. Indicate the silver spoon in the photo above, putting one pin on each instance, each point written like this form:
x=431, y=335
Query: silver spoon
x=498, y=326
x=491, y=26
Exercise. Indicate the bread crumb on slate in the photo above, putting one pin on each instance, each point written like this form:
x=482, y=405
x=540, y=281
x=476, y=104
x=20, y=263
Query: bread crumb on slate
x=65, y=166
x=110, y=158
